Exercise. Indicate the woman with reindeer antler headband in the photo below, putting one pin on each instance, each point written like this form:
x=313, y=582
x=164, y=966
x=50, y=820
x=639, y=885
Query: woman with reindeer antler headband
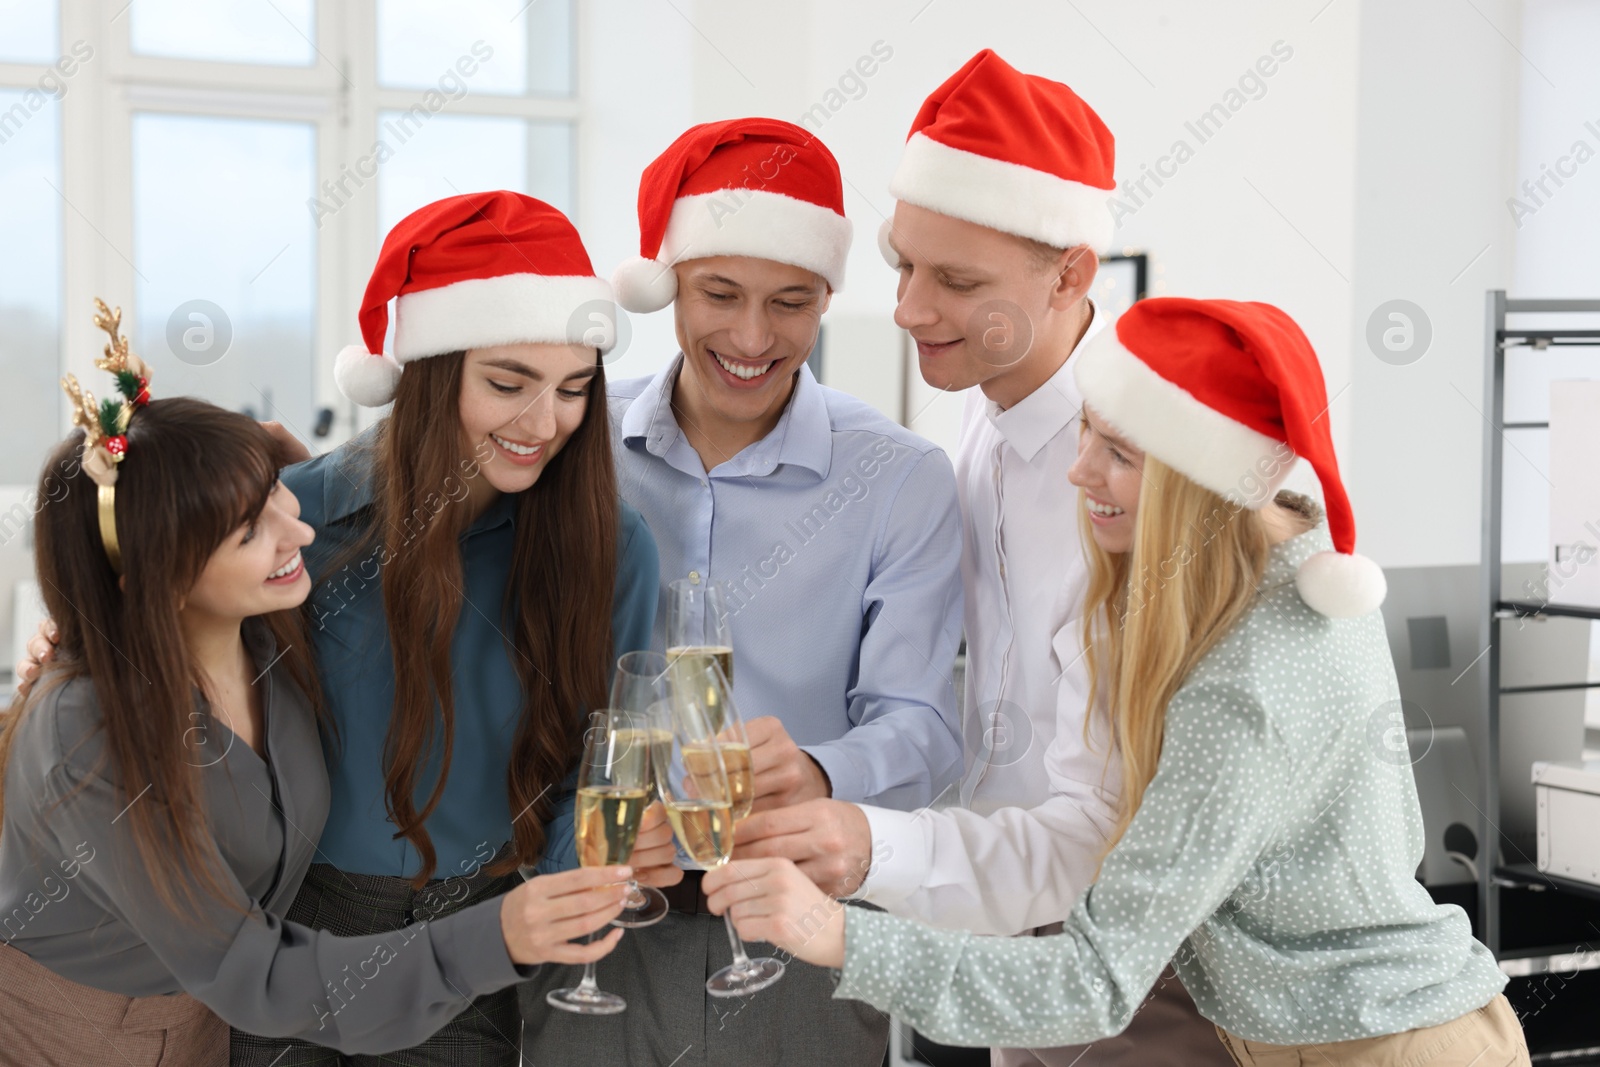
x=476, y=577
x=162, y=784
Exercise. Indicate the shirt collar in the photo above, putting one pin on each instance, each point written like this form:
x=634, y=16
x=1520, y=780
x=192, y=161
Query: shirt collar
x=259, y=642
x=1285, y=558
x=803, y=436
x=1032, y=422
x=347, y=479
x=649, y=417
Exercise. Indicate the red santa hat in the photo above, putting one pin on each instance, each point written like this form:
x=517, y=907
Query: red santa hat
x=1229, y=394
x=471, y=271
x=744, y=187
x=1011, y=151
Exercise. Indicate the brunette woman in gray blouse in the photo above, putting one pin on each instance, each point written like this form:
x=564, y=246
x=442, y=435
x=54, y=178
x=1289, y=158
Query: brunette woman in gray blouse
x=164, y=783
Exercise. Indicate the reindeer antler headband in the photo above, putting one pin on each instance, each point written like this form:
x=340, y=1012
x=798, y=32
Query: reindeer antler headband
x=105, y=425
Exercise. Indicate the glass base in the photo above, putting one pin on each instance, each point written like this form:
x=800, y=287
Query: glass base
x=585, y=1001
x=650, y=912
x=735, y=981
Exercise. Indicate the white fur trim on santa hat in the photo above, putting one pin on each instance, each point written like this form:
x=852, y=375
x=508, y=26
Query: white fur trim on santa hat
x=505, y=310
x=367, y=379
x=1170, y=423
x=644, y=285
x=1002, y=195
x=885, y=249
x=1341, y=586
x=763, y=225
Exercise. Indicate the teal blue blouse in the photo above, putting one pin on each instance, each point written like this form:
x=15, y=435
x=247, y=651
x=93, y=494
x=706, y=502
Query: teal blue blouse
x=351, y=635
x=1272, y=860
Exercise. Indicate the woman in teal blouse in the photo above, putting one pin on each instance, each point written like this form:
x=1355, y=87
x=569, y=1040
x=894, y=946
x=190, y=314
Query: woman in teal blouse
x=476, y=578
x=1267, y=845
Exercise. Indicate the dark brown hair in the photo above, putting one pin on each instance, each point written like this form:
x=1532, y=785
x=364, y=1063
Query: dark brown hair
x=556, y=613
x=194, y=474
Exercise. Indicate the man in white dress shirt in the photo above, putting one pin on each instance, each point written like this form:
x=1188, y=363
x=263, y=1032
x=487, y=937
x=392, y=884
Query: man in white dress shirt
x=1001, y=211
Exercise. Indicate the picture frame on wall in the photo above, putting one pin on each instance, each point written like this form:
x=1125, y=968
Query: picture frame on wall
x=1123, y=278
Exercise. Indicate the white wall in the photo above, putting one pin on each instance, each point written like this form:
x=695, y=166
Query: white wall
x=637, y=81
x=1437, y=120
x=1552, y=201
x=1558, y=244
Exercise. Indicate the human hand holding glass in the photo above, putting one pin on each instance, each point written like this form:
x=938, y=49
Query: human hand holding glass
x=613, y=791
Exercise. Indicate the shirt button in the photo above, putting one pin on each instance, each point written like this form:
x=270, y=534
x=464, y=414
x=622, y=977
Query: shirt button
x=1002, y=570
x=694, y=576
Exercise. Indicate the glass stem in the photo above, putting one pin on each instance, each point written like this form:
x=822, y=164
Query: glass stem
x=588, y=985
x=741, y=962
x=635, y=898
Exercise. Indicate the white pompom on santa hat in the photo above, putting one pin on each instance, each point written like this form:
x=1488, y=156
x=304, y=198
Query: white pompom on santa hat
x=1011, y=151
x=474, y=271
x=1229, y=394
x=742, y=187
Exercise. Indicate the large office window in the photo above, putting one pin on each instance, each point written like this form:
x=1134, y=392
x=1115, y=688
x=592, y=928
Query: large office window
x=474, y=96
x=225, y=31
x=226, y=257
x=30, y=233
x=32, y=31
x=225, y=171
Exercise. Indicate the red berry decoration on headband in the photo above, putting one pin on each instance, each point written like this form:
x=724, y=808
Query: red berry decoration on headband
x=142, y=397
x=118, y=445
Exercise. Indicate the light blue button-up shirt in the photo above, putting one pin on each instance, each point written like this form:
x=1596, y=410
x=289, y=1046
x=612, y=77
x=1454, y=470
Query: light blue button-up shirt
x=839, y=536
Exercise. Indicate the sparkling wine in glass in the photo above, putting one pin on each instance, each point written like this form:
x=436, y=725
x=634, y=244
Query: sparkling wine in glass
x=613, y=791
x=694, y=786
x=639, y=682
x=698, y=627
x=703, y=682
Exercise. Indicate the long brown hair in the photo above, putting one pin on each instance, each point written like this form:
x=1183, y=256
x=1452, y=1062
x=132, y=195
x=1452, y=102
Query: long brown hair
x=1152, y=613
x=194, y=474
x=556, y=612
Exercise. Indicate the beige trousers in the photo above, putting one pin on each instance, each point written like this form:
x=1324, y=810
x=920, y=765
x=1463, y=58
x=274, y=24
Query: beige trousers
x=48, y=1021
x=1488, y=1037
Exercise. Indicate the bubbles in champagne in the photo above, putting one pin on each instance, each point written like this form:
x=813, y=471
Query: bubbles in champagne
x=704, y=829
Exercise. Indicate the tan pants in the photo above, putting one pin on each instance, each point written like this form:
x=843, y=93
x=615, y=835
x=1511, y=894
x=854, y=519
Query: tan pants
x=1488, y=1037
x=48, y=1021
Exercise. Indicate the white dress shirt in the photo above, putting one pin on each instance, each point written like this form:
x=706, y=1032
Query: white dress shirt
x=1036, y=801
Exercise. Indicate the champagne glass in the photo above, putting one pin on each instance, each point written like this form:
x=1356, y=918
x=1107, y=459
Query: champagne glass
x=698, y=626
x=612, y=796
x=694, y=786
x=639, y=682
x=701, y=681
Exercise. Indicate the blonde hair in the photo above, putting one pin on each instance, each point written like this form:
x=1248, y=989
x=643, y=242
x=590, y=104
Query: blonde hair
x=1153, y=612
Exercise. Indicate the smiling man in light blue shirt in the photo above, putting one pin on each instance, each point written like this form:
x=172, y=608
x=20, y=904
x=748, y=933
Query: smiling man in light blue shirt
x=835, y=537
x=837, y=533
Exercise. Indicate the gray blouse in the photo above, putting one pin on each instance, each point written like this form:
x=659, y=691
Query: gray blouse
x=76, y=897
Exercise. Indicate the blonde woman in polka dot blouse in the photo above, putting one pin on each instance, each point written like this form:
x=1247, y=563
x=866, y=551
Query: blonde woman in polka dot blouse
x=1268, y=840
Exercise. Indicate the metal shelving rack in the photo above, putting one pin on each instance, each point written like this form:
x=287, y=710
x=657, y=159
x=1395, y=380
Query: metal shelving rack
x=1498, y=338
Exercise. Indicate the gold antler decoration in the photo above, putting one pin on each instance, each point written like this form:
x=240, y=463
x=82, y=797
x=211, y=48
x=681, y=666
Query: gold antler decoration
x=98, y=463
x=118, y=359
x=105, y=424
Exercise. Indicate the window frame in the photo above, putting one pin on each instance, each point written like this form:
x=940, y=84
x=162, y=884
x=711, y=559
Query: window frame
x=342, y=102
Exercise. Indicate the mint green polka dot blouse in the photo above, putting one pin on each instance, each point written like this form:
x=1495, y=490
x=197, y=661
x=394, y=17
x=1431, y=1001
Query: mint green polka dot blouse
x=1272, y=861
